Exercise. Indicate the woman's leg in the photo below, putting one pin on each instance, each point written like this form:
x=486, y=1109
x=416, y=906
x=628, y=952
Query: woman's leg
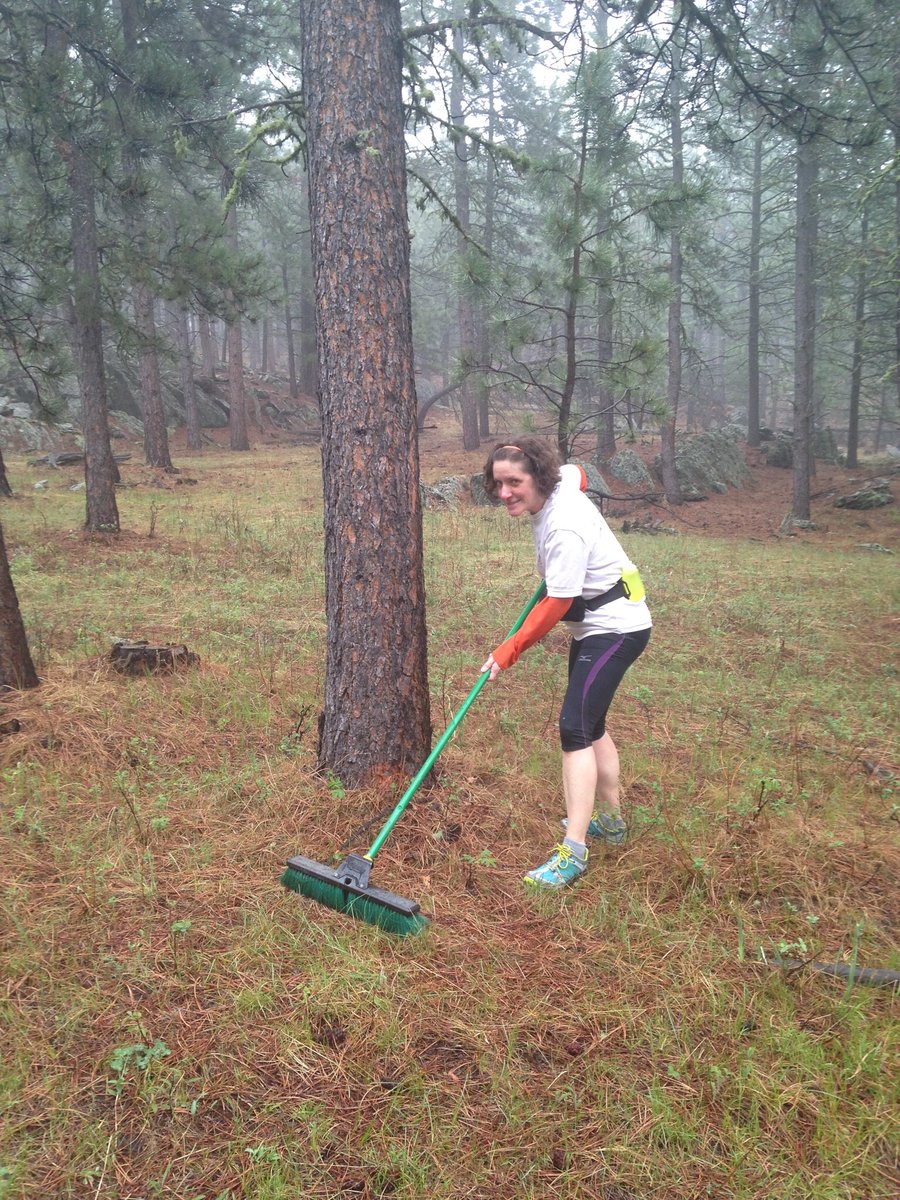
x=579, y=776
x=606, y=758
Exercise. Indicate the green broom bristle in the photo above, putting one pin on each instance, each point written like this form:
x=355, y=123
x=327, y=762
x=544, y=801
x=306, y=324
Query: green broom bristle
x=362, y=907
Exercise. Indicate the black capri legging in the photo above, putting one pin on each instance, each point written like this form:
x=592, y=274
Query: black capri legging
x=596, y=667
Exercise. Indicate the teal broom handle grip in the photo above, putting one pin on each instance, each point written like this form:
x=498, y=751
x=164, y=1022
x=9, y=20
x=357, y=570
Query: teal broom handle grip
x=539, y=593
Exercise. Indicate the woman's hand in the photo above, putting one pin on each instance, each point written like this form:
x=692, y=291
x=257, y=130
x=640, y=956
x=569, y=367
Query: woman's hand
x=493, y=667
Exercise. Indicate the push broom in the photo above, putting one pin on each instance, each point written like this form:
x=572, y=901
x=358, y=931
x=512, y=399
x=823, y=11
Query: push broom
x=346, y=888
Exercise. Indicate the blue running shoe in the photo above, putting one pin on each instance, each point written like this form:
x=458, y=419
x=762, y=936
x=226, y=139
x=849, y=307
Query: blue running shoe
x=610, y=829
x=562, y=868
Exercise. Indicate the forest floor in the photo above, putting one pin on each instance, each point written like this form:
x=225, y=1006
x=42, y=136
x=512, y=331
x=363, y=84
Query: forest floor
x=175, y=1024
x=755, y=511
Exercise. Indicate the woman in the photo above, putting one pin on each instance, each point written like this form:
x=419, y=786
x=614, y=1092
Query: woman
x=594, y=587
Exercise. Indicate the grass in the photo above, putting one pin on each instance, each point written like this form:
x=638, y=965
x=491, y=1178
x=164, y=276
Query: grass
x=175, y=1024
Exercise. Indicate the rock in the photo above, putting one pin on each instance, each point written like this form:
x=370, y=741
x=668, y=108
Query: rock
x=445, y=494
x=479, y=492
x=778, y=450
x=42, y=485
x=705, y=458
x=876, y=494
x=595, y=481
x=627, y=467
x=874, y=546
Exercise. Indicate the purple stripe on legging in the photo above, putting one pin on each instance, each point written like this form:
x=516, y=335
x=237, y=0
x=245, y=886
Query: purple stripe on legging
x=592, y=675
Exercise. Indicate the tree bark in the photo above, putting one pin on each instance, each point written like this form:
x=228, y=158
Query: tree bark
x=16, y=667
x=376, y=720
x=100, y=471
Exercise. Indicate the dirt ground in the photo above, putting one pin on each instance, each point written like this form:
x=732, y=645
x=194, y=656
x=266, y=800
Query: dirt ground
x=754, y=512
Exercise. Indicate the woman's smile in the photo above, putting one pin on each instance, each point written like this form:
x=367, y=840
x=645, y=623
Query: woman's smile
x=516, y=489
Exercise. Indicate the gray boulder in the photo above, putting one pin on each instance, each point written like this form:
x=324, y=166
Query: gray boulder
x=445, y=494
x=627, y=467
x=875, y=494
x=705, y=461
x=595, y=481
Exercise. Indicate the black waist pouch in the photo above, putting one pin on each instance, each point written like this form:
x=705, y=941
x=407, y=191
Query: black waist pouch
x=580, y=606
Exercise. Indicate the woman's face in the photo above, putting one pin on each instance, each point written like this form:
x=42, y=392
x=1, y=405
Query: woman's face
x=515, y=487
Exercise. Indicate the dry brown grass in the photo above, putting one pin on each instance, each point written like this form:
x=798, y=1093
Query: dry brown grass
x=177, y=1025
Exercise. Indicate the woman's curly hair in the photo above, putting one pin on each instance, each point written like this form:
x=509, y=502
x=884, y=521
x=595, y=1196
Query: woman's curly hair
x=539, y=458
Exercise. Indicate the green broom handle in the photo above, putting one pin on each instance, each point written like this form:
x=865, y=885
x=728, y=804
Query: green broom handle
x=539, y=593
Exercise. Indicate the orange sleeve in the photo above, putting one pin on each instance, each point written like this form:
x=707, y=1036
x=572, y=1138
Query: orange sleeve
x=539, y=621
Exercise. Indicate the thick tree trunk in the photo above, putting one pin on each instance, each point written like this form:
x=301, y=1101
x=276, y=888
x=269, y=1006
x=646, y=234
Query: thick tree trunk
x=100, y=471
x=16, y=668
x=376, y=720
x=753, y=299
x=804, y=325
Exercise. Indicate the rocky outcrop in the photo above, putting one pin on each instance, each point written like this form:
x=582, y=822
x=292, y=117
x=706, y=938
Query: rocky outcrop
x=875, y=494
x=705, y=462
x=628, y=468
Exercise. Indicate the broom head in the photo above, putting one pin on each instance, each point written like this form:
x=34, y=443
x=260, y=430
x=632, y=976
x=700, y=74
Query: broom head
x=347, y=890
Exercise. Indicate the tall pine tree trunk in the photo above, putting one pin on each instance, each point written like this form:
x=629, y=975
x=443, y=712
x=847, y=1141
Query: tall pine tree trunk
x=207, y=346
x=606, y=414
x=485, y=349
x=376, y=720
x=234, y=340
x=100, y=471
x=859, y=327
x=289, y=334
x=16, y=667
x=465, y=313
x=673, y=386
x=194, y=440
x=753, y=298
x=156, y=436
x=804, y=324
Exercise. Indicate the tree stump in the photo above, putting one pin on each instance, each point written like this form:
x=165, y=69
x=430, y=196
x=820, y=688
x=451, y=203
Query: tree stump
x=140, y=658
